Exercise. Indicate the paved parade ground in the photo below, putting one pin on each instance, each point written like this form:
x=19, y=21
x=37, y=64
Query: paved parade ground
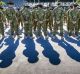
x=39, y=56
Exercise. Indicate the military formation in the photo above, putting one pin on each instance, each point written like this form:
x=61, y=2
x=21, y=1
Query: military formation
x=40, y=19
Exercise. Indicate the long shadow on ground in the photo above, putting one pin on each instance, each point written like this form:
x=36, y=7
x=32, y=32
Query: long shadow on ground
x=30, y=50
x=8, y=54
x=49, y=52
x=70, y=50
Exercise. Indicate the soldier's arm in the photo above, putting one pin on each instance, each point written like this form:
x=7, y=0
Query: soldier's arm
x=67, y=16
x=22, y=16
x=4, y=16
x=78, y=15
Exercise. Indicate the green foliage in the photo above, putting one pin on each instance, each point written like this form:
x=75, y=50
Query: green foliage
x=78, y=1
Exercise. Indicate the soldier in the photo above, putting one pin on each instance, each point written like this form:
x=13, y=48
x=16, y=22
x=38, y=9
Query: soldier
x=74, y=17
x=11, y=17
x=2, y=20
x=48, y=21
x=19, y=17
x=68, y=19
x=50, y=13
x=40, y=17
x=27, y=18
x=58, y=15
x=45, y=24
x=34, y=18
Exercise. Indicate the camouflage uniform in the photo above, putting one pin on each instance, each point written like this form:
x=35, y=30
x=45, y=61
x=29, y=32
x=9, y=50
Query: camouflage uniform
x=58, y=15
x=68, y=19
x=48, y=21
x=27, y=18
x=40, y=17
x=79, y=22
x=19, y=17
x=74, y=17
x=34, y=18
x=2, y=20
x=11, y=17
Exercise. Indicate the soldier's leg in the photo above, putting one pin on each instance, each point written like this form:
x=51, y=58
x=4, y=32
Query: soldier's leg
x=17, y=29
x=21, y=24
x=68, y=29
x=2, y=28
x=61, y=29
x=26, y=29
x=34, y=25
x=55, y=29
x=79, y=25
x=12, y=28
x=39, y=29
x=50, y=25
x=45, y=26
x=76, y=29
x=30, y=30
x=71, y=29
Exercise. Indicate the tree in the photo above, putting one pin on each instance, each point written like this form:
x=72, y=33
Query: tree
x=2, y=3
x=78, y=1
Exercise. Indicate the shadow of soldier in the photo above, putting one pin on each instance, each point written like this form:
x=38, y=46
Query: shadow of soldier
x=70, y=39
x=70, y=50
x=49, y=52
x=8, y=54
x=30, y=50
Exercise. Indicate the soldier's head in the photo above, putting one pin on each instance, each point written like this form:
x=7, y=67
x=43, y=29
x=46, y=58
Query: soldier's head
x=75, y=5
x=40, y=6
x=26, y=6
x=58, y=4
x=71, y=5
x=10, y=4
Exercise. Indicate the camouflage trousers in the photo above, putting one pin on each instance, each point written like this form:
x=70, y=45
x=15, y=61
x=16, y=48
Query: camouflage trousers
x=79, y=25
x=45, y=26
x=2, y=28
x=73, y=28
x=57, y=27
x=14, y=28
x=28, y=29
x=50, y=24
x=34, y=25
x=39, y=26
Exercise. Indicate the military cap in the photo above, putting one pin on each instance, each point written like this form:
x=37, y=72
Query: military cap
x=10, y=3
x=58, y=3
x=75, y=4
x=40, y=5
x=27, y=6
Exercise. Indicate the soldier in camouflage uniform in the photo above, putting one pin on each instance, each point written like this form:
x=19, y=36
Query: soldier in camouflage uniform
x=45, y=25
x=68, y=19
x=11, y=17
x=58, y=15
x=27, y=19
x=40, y=17
x=19, y=17
x=74, y=17
x=2, y=20
x=48, y=23
x=34, y=18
